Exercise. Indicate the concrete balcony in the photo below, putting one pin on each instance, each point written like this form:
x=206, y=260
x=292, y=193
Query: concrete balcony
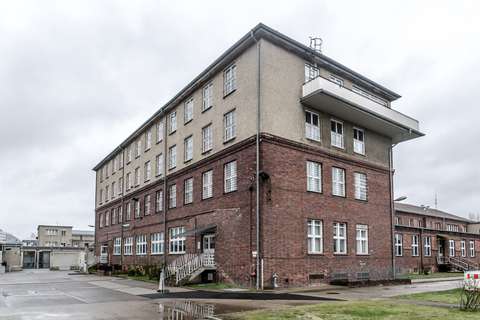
x=325, y=96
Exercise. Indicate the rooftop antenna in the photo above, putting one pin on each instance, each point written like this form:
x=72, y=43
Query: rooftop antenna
x=316, y=44
x=435, y=199
x=316, y=47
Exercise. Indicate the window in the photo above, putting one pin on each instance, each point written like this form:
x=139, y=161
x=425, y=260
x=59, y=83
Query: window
x=230, y=122
x=107, y=193
x=398, y=245
x=128, y=211
x=120, y=185
x=147, y=205
x=369, y=96
x=189, y=148
x=50, y=243
x=101, y=220
x=315, y=236
x=159, y=165
x=358, y=141
x=157, y=243
x=113, y=216
x=108, y=169
x=451, y=244
x=64, y=233
x=360, y=186
x=463, y=248
x=207, y=96
x=398, y=221
x=438, y=226
x=129, y=154
x=148, y=140
x=428, y=246
x=120, y=214
x=362, y=239
x=137, y=176
x=189, y=110
x=138, y=149
x=172, y=157
x=230, y=80
x=312, y=125
x=141, y=244
x=450, y=227
x=102, y=172
x=230, y=177
x=419, y=223
x=207, y=138
x=173, y=121
x=414, y=246
x=339, y=237
x=159, y=131
x=338, y=182
x=147, y=171
x=114, y=165
x=117, y=246
x=129, y=181
x=337, y=133
x=172, y=196
x=336, y=80
x=159, y=201
x=127, y=246
x=137, y=208
x=52, y=232
x=410, y=222
x=472, y=248
x=189, y=190
x=314, y=176
x=101, y=195
x=107, y=215
x=207, y=185
x=120, y=158
x=177, y=244
x=113, y=189
x=310, y=72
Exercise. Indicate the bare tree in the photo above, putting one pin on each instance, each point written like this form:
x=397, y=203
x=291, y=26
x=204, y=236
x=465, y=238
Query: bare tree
x=474, y=216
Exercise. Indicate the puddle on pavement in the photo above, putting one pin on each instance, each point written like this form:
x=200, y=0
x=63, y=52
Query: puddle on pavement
x=187, y=310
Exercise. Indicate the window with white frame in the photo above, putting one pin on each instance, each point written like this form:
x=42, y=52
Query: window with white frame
x=428, y=246
x=113, y=216
x=414, y=245
x=172, y=155
x=315, y=236
x=312, y=125
x=172, y=196
x=398, y=245
x=101, y=195
x=410, y=222
x=107, y=193
x=137, y=208
x=230, y=176
x=310, y=72
x=159, y=165
x=128, y=213
x=230, y=80
x=339, y=237
x=120, y=214
x=472, y=248
x=141, y=245
x=314, y=176
x=337, y=133
x=108, y=169
x=159, y=131
x=159, y=201
x=148, y=140
x=147, y=171
x=177, y=244
x=137, y=176
x=338, y=182
x=113, y=189
x=54, y=232
x=230, y=123
x=189, y=190
x=101, y=220
x=117, y=246
x=173, y=121
x=107, y=216
x=207, y=96
x=127, y=246
x=360, y=186
x=358, y=141
x=189, y=148
x=157, y=243
x=64, y=233
x=129, y=154
x=336, y=80
x=419, y=223
x=102, y=172
x=120, y=185
x=362, y=239
x=463, y=248
x=147, y=205
x=138, y=148
x=207, y=185
x=189, y=110
x=120, y=158
x=451, y=246
x=207, y=138
x=51, y=243
x=129, y=180
x=114, y=165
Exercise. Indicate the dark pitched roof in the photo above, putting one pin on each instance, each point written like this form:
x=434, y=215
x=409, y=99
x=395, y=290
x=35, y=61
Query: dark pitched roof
x=410, y=208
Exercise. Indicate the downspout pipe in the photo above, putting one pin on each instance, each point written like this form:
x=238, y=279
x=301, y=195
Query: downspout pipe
x=123, y=192
x=164, y=195
x=258, y=160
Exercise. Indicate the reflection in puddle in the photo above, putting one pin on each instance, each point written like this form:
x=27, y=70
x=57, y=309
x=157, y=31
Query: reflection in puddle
x=184, y=310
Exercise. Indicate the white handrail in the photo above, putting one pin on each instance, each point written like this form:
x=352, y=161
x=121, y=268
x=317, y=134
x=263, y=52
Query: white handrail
x=187, y=264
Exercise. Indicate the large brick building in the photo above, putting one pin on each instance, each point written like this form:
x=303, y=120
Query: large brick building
x=274, y=160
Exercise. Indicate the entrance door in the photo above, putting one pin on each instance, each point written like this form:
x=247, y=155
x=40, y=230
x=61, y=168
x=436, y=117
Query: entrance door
x=441, y=248
x=209, y=249
x=104, y=254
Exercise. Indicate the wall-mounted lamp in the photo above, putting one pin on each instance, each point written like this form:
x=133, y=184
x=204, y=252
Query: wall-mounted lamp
x=262, y=174
x=135, y=199
x=400, y=198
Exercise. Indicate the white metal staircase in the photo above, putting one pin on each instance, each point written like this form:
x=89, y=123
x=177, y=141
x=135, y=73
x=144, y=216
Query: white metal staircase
x=459, y=263
x=189, y=265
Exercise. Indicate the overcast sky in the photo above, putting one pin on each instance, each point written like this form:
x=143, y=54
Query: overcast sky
x=77, y=77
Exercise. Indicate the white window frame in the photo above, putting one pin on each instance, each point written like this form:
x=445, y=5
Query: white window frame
x=415, y=251
x=159, y=201
x=463, y=247
x=314, y=176
x=141, y=245
x=339, y=238
x=362, y=238
x=188, y=148
x=472, y=248
x=107, y=218
x=358, y=141
x=172, y=196
x=177, y=244
x=159, y=131
x=120, y=160
x=129, y=154
x=129, y=180
x=128, y=246
x=338, y=182
x=147, y=205
x=173, y=121
x=336, y=136
x=107, y=193
x=207, y=138
x=451, y=248
x=113, y=217
x=120, y=185
x=188, y=190
x=114, y=165
x=148, y=140
x=117, y=246
x=315, y=236
x=172, y=157
x=312, y=130
x=114, y=189
x=101, y=196
x=207, y=96
x=360, y=186
x=129, y=211
x=189, y=110
x=138, y=148
x=147, y=171
x=230, y=176
x=230, y=125
x=229, y=80
x=207, y=183
x=137, y=208
x=428, y=246
x=398, y=245
x=159, y=165
x=101, y=220
x=410, y=222
x=137, y=176
x=120, y=214
x=157, y=243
